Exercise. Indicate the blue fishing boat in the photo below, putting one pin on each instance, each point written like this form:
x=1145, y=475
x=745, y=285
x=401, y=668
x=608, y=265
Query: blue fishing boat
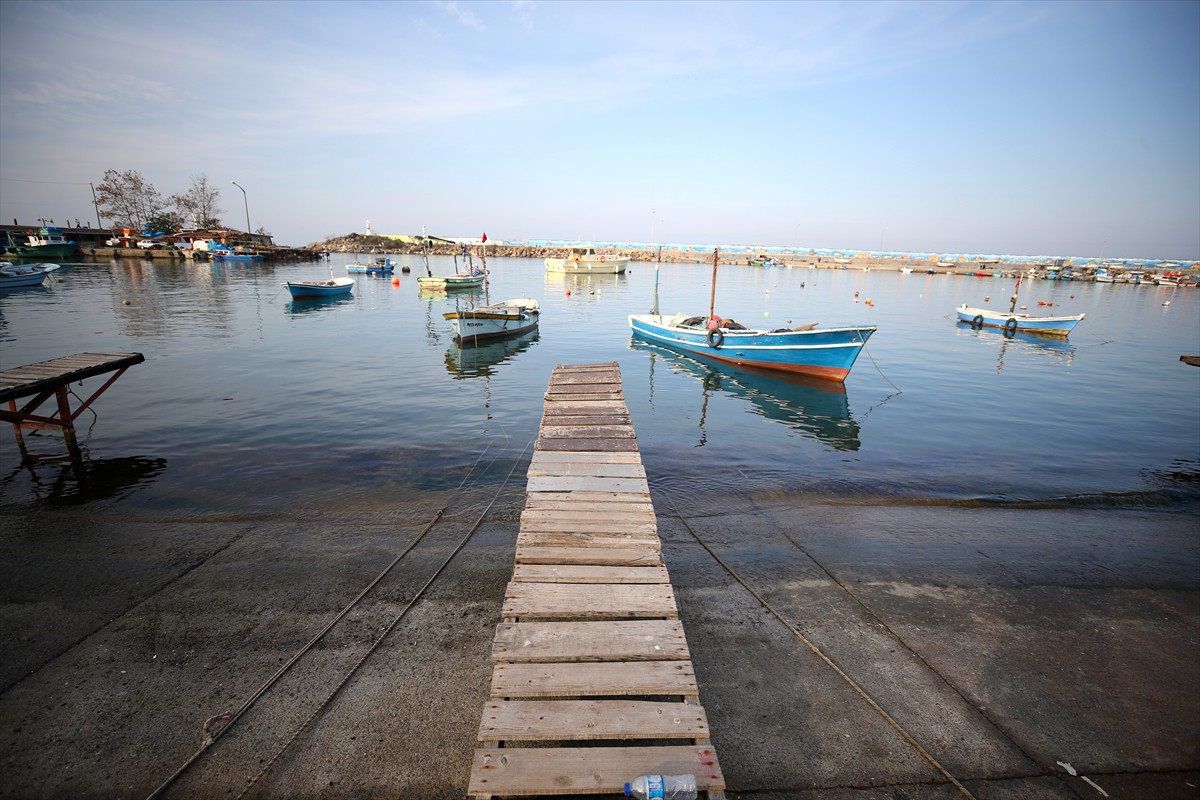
x=827, y=353
x=310, y=290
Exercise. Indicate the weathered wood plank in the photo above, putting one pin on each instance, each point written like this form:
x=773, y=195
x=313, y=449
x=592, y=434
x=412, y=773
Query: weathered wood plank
x=567, y=408
x=622, y=516
x=31, y=379
x=580, y=397
x=549, y=601
x=592, y=497
x=586, y=458
x=602, y=377
x=620, y=445
x=587, y=573
x=581, y=419
x=574, y=468
x=600, y=640
x=589, y=526
x=587, y=720
x=587, y=432
x=587, y=770
x=595, y=679
x=632, y=554
x=586, y=484
x=575, y=539
x=589, y=387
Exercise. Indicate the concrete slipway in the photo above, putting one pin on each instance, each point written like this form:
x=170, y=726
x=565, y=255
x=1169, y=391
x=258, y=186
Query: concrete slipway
x=1035, y=653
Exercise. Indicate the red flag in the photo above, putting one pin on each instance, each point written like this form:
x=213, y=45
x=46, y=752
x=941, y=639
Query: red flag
x=485, y=238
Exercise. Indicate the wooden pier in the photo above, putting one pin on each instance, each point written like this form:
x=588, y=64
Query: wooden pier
x=53, y=379
x=592, y=683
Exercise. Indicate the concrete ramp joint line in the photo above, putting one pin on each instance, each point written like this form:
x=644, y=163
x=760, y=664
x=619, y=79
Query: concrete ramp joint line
x=592, y=679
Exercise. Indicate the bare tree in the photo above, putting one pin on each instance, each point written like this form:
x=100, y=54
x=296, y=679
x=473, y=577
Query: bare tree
x=199, y=203
x=126, y=199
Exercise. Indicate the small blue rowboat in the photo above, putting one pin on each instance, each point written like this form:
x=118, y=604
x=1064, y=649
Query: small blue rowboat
x=1017, y=322
x=308, y=290
x=821, y=352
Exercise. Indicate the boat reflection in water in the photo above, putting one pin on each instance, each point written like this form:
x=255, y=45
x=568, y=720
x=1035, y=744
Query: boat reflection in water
x=816, y=408
x=1010, y=345
x=312, y=304
x=474, y=361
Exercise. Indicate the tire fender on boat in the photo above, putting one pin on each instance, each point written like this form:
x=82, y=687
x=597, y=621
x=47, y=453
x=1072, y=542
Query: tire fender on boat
x=1010, y=325
x=716, y=338
x=977, y=322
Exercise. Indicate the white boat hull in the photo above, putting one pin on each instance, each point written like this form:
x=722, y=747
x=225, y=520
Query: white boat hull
x=599, y=265
x=1018, y=322
x=509, y=318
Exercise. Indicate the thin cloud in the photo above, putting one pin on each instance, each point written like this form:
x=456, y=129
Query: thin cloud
x=460, y=14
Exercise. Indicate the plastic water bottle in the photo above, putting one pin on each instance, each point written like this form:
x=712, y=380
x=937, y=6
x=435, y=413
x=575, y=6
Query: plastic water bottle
x=662, y=787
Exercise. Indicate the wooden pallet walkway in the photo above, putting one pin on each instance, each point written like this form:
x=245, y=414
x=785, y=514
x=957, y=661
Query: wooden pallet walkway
x=592, y=683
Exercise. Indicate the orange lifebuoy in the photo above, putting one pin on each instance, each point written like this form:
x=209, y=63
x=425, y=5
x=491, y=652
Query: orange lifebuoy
x=601, y=258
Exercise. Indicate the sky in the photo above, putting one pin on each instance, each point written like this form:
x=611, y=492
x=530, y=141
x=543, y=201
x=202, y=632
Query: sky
x=1044, y=128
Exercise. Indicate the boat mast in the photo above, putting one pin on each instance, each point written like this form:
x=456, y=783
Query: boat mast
x=1016, y=293
x=425, y=251
x=712, y=300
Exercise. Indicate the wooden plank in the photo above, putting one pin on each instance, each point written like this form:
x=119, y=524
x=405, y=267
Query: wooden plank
x=590, y=387
x=568, y=505
x=586, y=458
x=581, y=573
x=634, y=515
x=601, y=377
x=587, y=770
x=586, y=484
x=576, y=539
x=587, y=432
x=581, y=419
x=601, y=640
x=632, y=554
x=595, y=500
x=587, y=367
x=567, y=408
x=532, y=601
x=619, y=445
x=594, y=525
x=596, y=679
x=589, y=720
x=598, y=469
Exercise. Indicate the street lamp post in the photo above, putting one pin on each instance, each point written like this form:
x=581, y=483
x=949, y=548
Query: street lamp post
x=247, y=204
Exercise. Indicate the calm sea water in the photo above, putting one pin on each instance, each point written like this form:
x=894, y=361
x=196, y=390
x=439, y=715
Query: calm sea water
x=250, y=403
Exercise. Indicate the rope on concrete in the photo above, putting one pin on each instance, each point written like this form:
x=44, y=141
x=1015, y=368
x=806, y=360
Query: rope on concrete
x=316, y=712
x=828, y=661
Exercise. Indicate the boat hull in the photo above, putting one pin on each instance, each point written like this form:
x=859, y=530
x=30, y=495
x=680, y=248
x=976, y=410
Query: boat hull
x=827, y=353
x=17, y=277
x=450, y=282
x=601, y=265
x=311, y=290
x=1018, y=322
x=492, y=322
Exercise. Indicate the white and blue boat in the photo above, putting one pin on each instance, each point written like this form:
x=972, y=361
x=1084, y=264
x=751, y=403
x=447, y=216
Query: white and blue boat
x=380, y=266
x=827, y=353
x=1014, y=321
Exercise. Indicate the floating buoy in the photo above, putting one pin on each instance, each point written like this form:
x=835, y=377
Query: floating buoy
x=395, y=281
x=1023, y=308
x=124, y=302
x=1041, y=302
x=568, y=292
x=1072, y=297
x=768, y=313
x=856, y=294
x=1049, y=304
x=1166, y=302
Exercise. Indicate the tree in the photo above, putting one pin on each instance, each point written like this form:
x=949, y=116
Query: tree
x=127, y=200
x=198, y=204
x=164, y=222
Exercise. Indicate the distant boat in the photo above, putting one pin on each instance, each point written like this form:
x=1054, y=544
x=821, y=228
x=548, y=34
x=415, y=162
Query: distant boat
x=42, y=243
x=1013, y=321
x=379, y=265
x=467, y=276
x=13, y=276
x=223, y=252
x=586, y=259
x=807, y=350
x=765, y=261
x=308, y=290
x=906, y=270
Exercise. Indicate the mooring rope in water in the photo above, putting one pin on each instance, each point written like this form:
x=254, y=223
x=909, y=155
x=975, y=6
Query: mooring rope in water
x=317, y=711
x=828, y=661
